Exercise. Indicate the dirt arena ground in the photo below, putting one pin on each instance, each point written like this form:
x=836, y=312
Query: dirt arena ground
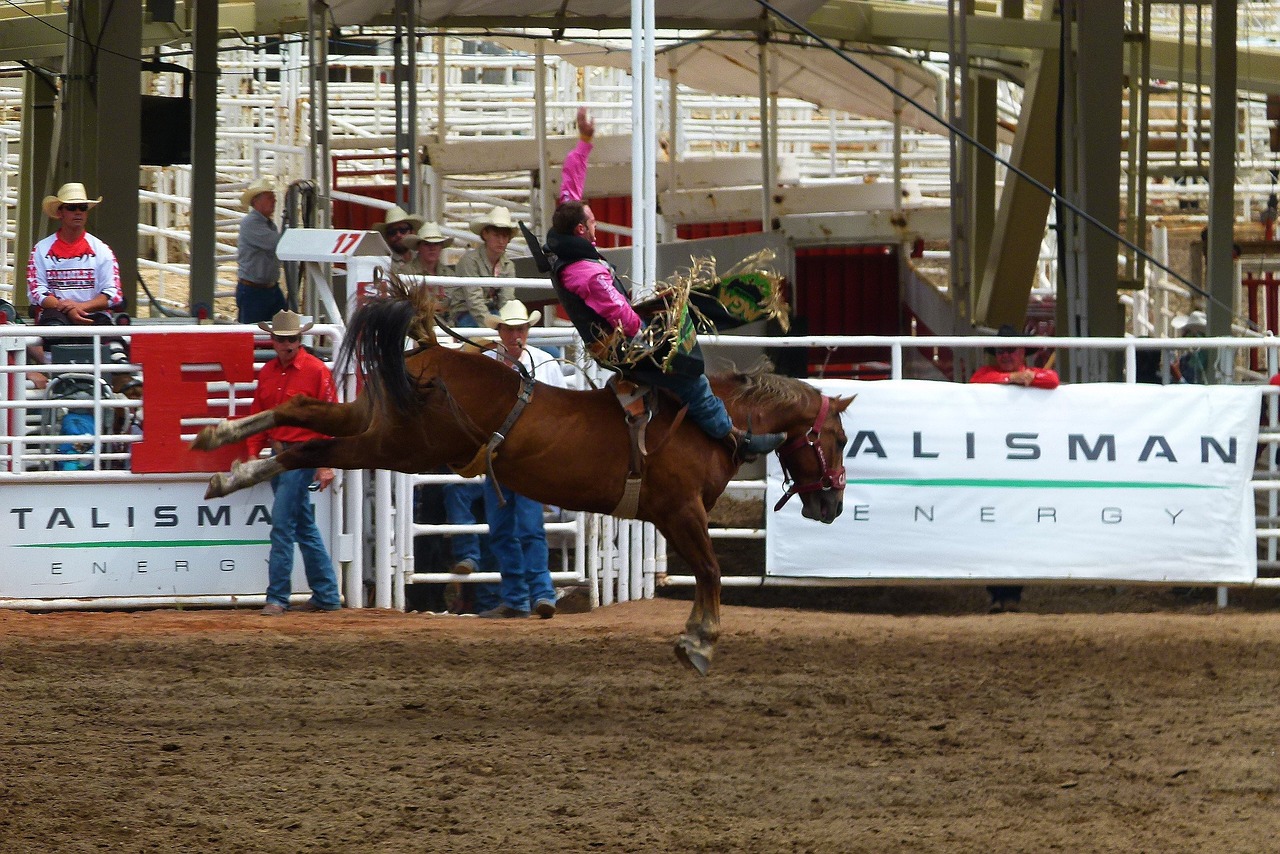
x=876, y=727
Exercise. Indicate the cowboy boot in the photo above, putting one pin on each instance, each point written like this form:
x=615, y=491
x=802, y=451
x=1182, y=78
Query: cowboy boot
x=746, y=446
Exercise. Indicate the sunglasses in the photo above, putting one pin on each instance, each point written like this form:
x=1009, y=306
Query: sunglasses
x=75, y=207
x=287, y=339
x=400, y=229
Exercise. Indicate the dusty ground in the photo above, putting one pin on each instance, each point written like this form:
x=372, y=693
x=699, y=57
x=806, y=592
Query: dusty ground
x=816, y=731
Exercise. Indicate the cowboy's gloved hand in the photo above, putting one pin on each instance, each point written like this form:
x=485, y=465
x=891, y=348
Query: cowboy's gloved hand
x=586, y=126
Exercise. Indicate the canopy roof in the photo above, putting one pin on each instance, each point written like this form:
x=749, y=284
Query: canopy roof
x=598, y=14
x=719, y=65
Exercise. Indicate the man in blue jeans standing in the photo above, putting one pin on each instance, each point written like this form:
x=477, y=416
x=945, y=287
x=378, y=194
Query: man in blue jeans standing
x=517, y=535
x=293, y=520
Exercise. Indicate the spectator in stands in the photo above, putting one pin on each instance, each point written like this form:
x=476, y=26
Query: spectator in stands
x=292, y=372
x=398, y=225
x=600, y=309
x=517, y=535
x=73, y=277
x=258, y=295
x=479, y=306
x=1010, y=368
x=429, y=243
x=1193, y=365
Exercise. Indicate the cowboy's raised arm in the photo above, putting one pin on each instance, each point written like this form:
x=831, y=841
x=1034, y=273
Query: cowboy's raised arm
x=573, y=180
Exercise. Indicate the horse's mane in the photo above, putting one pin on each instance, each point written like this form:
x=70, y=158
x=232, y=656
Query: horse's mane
x=759, y=385
x=375, y=341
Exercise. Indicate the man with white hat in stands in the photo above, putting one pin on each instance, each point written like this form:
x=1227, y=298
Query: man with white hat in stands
x=398, y=225
x=479, y=306
x=517, y=536
x=292, y=372
x=73, y=278
x=429, y=243
x=258, y=295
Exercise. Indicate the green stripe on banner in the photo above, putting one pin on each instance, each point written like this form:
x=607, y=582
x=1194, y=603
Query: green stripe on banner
x=144, y=544
x=1026, y=484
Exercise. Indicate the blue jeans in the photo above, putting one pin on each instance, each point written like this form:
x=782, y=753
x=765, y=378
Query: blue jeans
x=255, y=304
x=518, y=541
x=705, y=409
x=459, y=498
x=293, y=520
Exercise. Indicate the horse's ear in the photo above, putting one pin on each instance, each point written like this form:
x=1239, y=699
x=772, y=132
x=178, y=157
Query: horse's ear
x=840, y=404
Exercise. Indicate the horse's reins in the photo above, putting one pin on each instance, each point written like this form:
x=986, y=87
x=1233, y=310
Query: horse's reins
x=832, y=477
x=489, y=448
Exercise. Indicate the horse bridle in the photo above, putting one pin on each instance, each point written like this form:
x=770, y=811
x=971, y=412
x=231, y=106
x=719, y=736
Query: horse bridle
x=832, y=476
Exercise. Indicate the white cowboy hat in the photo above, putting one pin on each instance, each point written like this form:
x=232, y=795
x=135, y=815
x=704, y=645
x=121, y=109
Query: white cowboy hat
x=499, y=218
x=429, y=233
x=265, y=184
x=68, y=194
x=1196, y=321
x=513, y=313
x=395, y=215
x=286, y=323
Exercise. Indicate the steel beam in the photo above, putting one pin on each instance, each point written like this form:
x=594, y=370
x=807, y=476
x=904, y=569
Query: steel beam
x=1009, y=271
x=204, y=157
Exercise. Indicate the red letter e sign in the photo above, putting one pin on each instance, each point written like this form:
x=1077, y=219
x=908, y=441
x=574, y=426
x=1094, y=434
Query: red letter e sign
x=169, y=397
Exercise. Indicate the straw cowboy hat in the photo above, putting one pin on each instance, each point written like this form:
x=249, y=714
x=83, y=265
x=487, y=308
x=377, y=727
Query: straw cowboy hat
x=286, y=324
x=68, y=194
x=499, y=218
x=429, y=233
x=265, y=184
x=398, y=214
x=1196, y=321
x=513, y=313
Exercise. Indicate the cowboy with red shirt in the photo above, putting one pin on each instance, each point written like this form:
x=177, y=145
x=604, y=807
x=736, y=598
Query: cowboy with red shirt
x=292, y=372
x=1011, y=368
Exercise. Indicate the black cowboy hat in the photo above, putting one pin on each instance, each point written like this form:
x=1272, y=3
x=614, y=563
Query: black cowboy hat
x=1006, y=330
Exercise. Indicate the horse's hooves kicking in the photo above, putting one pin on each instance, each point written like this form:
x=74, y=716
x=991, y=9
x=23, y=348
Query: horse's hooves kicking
x=217, y=487
x=205, y=440
x=691, y=658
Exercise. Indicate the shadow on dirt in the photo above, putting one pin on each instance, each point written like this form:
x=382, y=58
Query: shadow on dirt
x=746, y=557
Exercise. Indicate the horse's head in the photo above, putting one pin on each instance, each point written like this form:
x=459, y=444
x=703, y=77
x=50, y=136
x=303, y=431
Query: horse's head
x=813, y=461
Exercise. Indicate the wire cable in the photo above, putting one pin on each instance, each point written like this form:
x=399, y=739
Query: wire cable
x=960, y=132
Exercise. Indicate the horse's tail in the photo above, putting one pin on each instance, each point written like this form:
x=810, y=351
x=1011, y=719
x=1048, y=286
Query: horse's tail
x=375, y=340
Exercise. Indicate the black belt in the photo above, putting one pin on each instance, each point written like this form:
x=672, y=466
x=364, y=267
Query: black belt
x=255, y=284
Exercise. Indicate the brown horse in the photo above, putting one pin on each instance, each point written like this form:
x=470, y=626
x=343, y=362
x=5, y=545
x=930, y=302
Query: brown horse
x=434, y=406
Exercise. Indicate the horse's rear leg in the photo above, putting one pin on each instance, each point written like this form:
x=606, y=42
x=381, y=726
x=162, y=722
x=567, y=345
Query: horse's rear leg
x=365, y=451
x=228, y=431
x=242, y=475
x=332, y=419
x=687, y=534
x=346, y=453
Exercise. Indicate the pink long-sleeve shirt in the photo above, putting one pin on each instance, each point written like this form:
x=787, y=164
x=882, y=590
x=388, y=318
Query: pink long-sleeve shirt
x=573, y=180
x=592, y=280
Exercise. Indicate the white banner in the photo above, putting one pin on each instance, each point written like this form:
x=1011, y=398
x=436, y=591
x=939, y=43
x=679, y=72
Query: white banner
x=1105, y=481
x=146, y=538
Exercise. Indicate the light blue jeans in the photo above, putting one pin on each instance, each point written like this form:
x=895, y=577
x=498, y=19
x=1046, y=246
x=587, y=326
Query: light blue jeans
x=293, y=520
x=518, y=541
x=705, y=409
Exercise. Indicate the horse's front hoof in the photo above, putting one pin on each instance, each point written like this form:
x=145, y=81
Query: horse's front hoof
x=689, y=655
x=205, y=440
